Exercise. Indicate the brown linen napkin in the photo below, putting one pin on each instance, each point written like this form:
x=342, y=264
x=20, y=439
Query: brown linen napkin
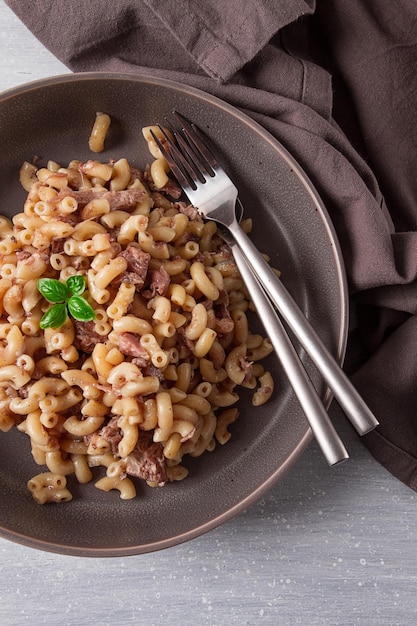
x=335, y=82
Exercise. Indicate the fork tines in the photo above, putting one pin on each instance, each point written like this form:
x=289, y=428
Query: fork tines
x=197, y=138
x=188, y=156
x=177, y=163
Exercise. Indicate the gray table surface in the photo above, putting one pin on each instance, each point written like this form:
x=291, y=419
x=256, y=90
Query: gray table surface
x=324, y=546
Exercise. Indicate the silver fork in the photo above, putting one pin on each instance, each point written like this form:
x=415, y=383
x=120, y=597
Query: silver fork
x=330, y=443
x=209, y=188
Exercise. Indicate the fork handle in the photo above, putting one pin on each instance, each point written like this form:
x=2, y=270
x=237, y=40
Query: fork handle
x=331, y=445
x=345, y=393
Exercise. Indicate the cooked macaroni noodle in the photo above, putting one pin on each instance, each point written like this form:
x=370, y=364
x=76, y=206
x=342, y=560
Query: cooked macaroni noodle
x=156, y=375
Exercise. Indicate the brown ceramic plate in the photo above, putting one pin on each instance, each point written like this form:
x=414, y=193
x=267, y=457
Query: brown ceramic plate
x=52, y=119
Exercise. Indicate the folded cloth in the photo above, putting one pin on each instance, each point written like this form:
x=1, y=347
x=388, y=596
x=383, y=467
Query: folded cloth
x=335, y=82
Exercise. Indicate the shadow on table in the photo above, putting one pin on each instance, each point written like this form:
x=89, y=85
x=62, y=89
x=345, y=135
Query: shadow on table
x=312, y=486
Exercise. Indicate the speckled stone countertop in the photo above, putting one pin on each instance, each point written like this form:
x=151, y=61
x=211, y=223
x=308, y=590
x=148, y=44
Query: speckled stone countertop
x=326, y=546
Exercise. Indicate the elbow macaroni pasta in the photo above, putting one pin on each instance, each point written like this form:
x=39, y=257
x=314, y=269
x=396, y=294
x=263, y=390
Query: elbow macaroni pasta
x=156, y=376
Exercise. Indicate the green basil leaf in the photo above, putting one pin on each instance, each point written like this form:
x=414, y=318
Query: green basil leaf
x=54, y=317
x=75, y=285
x=52, y=290
x=80, y=309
